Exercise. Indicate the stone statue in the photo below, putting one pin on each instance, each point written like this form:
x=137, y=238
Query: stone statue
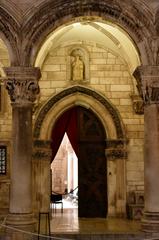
x=77, y=69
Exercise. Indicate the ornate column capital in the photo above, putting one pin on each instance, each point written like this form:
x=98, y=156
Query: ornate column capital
x=148, y=83
x=42, y=150
x=115, y=149
x=22, y=83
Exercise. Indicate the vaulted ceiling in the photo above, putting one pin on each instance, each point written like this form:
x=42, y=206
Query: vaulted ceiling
x=30, y=23
x=105, y=34
x=23, y=6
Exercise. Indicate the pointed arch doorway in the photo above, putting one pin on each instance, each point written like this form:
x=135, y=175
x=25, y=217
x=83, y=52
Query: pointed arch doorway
x=87, y=136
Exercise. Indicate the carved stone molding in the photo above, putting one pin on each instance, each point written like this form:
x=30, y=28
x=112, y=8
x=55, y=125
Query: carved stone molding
x=148, y=83
x=113, y=154
x=22, y=84
x=42, y=155
x=42, y=150
x=78, y=89
x=116, y=149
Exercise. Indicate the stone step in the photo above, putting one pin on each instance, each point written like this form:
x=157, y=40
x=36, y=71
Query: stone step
x=99, y=236
x=109, y=236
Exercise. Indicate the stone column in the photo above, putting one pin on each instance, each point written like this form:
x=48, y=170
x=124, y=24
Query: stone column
x=148, y=85
x=41, y=176
x=116, y=153
x=22, y=86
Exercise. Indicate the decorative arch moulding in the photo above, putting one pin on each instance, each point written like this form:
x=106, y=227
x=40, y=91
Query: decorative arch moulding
x=79, y=89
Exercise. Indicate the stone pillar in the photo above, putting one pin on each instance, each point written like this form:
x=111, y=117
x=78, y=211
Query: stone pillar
x=22, y=86
x=41, y=176
x=116, y=153
x=148, y=85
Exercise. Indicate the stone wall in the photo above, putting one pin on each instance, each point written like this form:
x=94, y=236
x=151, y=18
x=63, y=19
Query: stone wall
x=5, y=114
x=110, y=76
x=5, y=132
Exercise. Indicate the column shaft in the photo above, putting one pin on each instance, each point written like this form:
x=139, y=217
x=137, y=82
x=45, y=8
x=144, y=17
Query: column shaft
x=152, y=158
x=20, y=195
x=148, y=85
x=22, y=86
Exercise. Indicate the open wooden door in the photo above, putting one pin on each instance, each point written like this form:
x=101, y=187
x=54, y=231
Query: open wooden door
x=92, y=166
x=87, y=136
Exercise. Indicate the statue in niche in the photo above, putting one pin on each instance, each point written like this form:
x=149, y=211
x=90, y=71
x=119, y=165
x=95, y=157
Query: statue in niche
x=77, y=69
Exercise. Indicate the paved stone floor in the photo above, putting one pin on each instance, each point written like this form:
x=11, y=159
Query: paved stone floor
x=67, y=225
x=69, y=222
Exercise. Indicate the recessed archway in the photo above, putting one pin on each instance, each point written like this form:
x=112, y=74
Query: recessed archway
x=108, y=116
x=109, y=39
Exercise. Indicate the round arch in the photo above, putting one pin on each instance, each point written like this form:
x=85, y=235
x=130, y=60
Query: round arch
x=78, y=95
x=49, y=16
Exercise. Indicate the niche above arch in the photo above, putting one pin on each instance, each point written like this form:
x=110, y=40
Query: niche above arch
x=80, y=52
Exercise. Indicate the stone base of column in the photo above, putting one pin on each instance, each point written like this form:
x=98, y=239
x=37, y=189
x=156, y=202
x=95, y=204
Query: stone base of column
x=25, y=222
x=150, y=222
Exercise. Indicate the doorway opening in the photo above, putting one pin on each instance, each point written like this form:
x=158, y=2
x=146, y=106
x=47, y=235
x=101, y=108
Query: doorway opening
x=88, y=139
x=64, y=174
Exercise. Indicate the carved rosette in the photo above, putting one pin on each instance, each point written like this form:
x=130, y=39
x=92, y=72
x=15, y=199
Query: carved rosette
x=148, y=83
x=22, y=84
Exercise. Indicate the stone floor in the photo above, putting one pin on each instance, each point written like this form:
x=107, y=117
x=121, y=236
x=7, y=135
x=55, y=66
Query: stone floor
x=69, y=222
x=67, y=225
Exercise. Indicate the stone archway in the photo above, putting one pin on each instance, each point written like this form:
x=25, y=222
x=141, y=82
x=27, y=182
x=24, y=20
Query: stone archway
x=41, y=25
x=115, y=144
x=113, y=112
x=88, y=139
x=9, y=27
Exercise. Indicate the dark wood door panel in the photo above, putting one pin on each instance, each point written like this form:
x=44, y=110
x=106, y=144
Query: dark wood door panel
x=92, y=166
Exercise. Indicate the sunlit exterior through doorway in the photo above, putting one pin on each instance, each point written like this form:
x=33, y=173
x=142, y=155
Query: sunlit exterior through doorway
x=64, y=169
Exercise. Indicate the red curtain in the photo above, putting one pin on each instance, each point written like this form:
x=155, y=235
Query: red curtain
x=67, y=123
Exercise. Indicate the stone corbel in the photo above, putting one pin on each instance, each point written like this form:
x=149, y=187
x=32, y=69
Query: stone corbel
x=138, y=104
x=148, y=83
x=22, y=84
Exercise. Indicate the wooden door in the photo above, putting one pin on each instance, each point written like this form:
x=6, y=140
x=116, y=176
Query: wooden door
x=92, y=166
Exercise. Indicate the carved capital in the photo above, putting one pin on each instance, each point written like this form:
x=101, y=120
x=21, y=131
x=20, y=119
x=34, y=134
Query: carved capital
x=148, y=83
x=116, y=149
x=42, y=150
x=113, y=154
x=22, y=83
